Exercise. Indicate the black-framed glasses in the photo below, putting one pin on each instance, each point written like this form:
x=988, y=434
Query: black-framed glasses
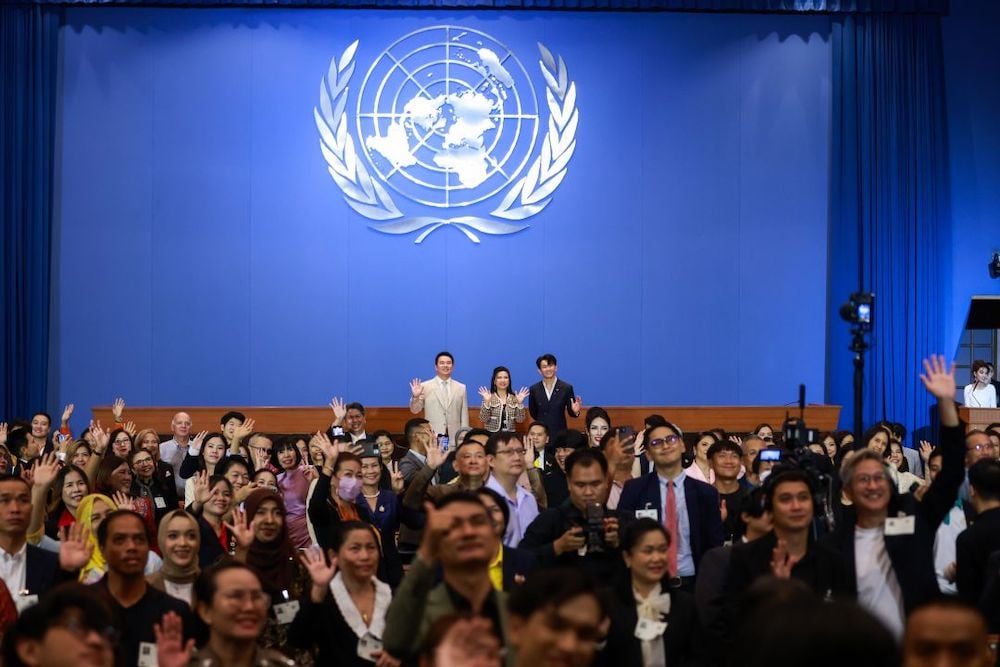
x=656, y=443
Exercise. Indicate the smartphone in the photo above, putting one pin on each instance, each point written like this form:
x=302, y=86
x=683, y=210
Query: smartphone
x=770, y=455
x=625, y=433
x=443, y=443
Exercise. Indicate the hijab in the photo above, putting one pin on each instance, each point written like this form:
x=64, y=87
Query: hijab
x=273, y=561
x=84, y=514
x=172, y=571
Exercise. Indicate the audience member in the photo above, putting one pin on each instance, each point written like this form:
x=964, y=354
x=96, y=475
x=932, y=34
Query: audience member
x=510, y=564
x=180, y=541
x=172, y=451
x=508, y=459
x=946, y=633
x=554, y=477
x=974, y=546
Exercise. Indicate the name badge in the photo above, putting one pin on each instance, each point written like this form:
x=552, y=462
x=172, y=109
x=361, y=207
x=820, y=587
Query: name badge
x=24, y=601
x=647, y=630
x=901, y=525
x=286, y=611
x=647, y=514
x=147, y=655
x=368, y=646
x=159, y=502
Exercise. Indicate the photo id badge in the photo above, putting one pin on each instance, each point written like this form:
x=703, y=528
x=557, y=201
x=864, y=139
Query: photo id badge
x=147, y=655
x=647, y=514
x=901, y=525
x=647, y=630
x=368, y=646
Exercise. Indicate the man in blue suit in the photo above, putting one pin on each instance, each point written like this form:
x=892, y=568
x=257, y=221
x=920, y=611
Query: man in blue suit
x=698, y=525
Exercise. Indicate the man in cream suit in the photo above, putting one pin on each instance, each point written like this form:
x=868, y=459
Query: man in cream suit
x=443, y=399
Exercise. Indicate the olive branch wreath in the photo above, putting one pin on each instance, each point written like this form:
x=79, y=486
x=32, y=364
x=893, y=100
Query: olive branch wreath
x=526, y=198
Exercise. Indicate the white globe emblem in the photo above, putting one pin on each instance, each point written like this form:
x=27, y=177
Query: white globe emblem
x=447, y=118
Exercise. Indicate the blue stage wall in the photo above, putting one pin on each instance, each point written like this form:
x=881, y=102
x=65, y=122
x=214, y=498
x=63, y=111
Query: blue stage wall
x=204, y=255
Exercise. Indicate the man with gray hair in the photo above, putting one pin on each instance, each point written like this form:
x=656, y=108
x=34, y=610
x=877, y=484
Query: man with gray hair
x=889, y=549
x=172, y=451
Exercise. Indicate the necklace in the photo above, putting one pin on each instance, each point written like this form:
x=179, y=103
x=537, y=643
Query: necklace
x=372, y=495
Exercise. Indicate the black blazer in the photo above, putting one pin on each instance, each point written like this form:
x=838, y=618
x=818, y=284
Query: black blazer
x=972, y=554
x=552, y=412
x=322, y=628
x=550, y=526
x=912, y=556
x=682, y=639
x=41, y=571
x=702, y=509
x=516, y=562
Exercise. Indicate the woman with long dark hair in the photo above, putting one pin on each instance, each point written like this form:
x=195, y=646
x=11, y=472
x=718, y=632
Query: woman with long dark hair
x=501, y=409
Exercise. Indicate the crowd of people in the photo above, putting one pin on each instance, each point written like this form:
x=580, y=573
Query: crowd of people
x=450, y=545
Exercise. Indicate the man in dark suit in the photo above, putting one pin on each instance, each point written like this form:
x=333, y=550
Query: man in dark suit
x=888, y=549
x=550, y=399
x=982, y=538
x=697, y=520
x=27, y=570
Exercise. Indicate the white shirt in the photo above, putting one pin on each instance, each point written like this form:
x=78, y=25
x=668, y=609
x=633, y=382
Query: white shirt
x=548, y=389
x=983, y=397
x=13, y=568
x=944, y=546
x=173, y=453
x=878, y=588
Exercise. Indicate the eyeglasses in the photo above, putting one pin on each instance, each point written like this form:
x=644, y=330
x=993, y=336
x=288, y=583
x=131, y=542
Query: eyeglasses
x=657, y=443
x=240, y=596
x=122, y=441
x=865, y=480
x=141, y=462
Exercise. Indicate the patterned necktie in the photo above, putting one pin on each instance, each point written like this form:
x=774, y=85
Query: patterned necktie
x=670, y=519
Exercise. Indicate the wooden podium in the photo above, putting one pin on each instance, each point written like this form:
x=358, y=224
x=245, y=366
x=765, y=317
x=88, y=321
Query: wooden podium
x=979, y=418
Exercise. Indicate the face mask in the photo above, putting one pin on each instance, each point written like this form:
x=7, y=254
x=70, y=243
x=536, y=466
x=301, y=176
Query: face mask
x=348, y=488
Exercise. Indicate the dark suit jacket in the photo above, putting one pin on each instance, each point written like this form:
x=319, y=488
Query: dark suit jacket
x=552, y=412
x=972, y=554
x=912, y=556
x=41, y=571
x=702, y=509
x=550, y=526
x=682, y=639
x=516, y=562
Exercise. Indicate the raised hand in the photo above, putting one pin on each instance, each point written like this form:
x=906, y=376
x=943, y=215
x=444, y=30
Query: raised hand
x=468, y=642
x=118, y=408
x=437, y=526
x=938, y=377
x=639, y=443
x=244, y=429
x=123, y=501
x=737, y=439
x=576, y=404
x=782, y=562
x=241, y=530
x=3, y=433
x=129, y=427
x=529, y=454
x=67, y=413
x=396, y=477
x=319, y=571
x=310, y=472
x=202, y=490
x=485, y=394
x=330, y=451
x=925, y=450
x=75, y=549
x=100, y=436
x=416, y=388
x=522, y=394
x=171, y=649
x=339, y=411
x=723, y=510
x=45, y=470
x=197, y=441
x=435, y=457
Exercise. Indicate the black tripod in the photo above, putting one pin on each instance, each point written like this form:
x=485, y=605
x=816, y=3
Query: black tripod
x=858, y=347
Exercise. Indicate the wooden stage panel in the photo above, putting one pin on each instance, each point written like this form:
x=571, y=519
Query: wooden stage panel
x=735, y=419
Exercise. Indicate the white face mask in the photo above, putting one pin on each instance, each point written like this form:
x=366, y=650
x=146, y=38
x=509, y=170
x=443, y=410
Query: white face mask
x=764, y=475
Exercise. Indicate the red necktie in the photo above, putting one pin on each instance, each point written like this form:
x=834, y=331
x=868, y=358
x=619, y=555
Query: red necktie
x=670, y=518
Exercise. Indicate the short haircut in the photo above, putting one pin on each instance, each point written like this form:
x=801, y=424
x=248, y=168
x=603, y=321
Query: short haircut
x=354, y=405
x=345, y=457
x=206, y=585
x=984, y=477
x=105, y=526
x=17, y=440
x=851, y=463
x=724, y=446
x=753, y=503
x=543, y=426
x=412, y=425
x=975, y=431
x=15, y=478
x=547, y=357
x=499, y=500
x=344, y=529
x=468, y=443
x=459, y=497
x=33, y=623
x=443, y=353
x=234, y=461
x=585, y=458
x=785, y=476
x=472, y=432
x=284, y=444
x=107, y=466
x=43, y=414
x=500, y=438
x=655, y=420
x=635, y=531
x=569, y=439
x=552, y=588
x=232, y=414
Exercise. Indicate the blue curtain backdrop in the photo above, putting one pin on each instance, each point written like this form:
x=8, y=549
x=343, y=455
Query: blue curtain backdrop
x=889, y=208
x=27, y=107
x=888, y=200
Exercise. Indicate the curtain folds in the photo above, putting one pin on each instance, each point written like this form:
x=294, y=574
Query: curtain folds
x=28, y=36
x=889, y=208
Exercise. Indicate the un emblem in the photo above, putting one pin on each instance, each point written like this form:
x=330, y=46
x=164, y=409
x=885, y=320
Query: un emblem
x=447, y=119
